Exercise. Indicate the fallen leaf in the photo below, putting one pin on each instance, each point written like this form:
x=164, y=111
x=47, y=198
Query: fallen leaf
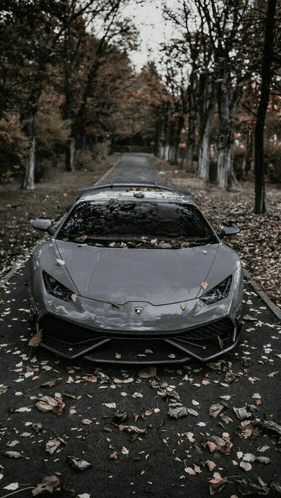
x=79, y=464
x=13, y=454
x=184, y=305
x=245, y=466
x=132, y=428
x=35, y=340
x=241, y=413
x=74, y=297
x=178, y=412
x=52, y=445
x=148, y=373
x=110, y=405
x=87, y=421
x=49, y=483
x=12, y=487
x=60, y=262
x=204, y=285
x=190, y=471
x=115, y=305
x=215, y=409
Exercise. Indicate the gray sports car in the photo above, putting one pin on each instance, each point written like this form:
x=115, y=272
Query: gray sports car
x=136, y=274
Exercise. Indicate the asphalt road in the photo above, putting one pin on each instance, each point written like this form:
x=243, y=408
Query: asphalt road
x=144, y=452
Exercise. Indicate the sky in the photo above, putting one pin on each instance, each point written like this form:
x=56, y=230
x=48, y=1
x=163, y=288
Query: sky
x=153, y=30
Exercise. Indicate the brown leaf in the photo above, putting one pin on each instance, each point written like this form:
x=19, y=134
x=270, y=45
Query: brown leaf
x=49, y=483
x=35, y=340
x=148, y=373
x=204, y=285
x=51, y=383
x=217, y=483
x=115, y=305
x=215, y=409
x=184, y=305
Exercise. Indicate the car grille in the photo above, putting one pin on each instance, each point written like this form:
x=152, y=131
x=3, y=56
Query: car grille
x=223, y=328
x=204, y=342
x=64, y=330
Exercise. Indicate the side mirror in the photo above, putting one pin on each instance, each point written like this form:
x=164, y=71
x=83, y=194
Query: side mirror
x=44, y=226
x=228, y=230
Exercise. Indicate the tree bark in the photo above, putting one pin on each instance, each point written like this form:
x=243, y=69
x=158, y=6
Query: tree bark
x=204, y=145
x=30, y=167
x=260, y=202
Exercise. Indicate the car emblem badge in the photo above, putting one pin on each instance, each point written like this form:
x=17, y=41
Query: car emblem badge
x=138, y=311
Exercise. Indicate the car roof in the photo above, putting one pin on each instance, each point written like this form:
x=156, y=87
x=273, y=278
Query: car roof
x=131, y=191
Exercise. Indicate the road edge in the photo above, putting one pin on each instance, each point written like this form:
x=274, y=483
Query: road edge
x=275, y=310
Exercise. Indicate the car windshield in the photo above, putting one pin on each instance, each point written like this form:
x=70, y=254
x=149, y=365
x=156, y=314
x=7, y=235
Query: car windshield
x=116, y=220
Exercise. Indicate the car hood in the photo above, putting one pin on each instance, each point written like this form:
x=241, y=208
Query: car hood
x=156, y=276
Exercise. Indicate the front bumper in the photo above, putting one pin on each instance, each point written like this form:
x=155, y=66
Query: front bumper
x=205, y=342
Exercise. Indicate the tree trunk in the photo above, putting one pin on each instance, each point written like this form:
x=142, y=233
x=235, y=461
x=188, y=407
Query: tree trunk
x=260, y=204
x=30, y=167
x=69, y=154
x=192, y=116
x=225, y=162
x=225, y=140
x=204, y=146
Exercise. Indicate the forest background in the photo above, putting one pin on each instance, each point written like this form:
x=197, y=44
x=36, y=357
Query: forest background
x=208, y=103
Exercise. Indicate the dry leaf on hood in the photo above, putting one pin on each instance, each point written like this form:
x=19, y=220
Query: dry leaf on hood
x=204, y=285
x=49, y=483
x=115, y=305
x=60, y=262
x=184, y=305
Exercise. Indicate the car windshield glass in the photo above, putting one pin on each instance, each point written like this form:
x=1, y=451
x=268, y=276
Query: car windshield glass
x=133, y=220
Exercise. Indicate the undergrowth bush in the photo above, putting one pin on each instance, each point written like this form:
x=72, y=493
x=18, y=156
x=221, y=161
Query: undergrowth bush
x=272, y=160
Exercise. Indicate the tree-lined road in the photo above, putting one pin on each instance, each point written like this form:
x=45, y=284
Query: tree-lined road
x=117, y=419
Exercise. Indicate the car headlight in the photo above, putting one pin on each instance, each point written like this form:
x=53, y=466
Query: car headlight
x=217, y=293
x=56, y=288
